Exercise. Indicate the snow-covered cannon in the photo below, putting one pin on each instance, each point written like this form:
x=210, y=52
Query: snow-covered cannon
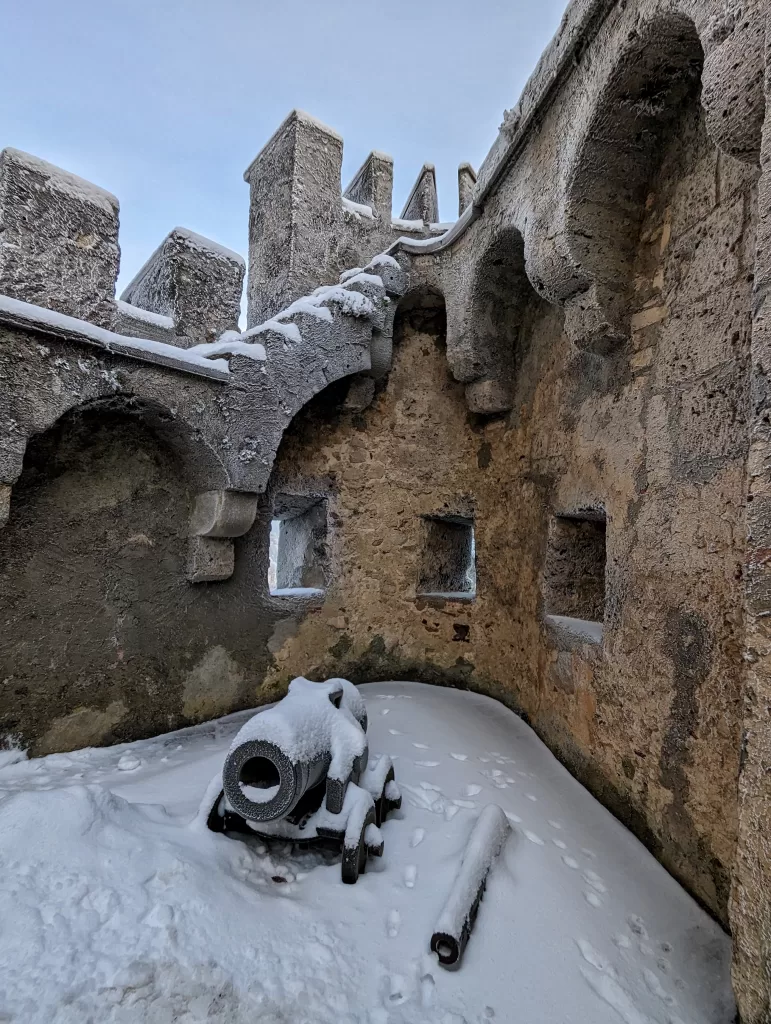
x=300, y=771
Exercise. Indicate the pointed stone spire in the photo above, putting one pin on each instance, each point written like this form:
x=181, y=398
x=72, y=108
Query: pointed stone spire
x=373, y=184
x=467, y=179
x=422, y=203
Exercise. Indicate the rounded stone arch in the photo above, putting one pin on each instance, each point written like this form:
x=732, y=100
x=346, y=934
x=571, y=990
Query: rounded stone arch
x=93, y=564
x=201, y=462
x=488, y=356
x=652, y=81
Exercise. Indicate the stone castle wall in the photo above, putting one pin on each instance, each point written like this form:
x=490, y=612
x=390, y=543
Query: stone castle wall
x=576, y=369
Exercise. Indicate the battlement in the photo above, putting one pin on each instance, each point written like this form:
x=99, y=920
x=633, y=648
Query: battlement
x=305, y=228
x=59, y=238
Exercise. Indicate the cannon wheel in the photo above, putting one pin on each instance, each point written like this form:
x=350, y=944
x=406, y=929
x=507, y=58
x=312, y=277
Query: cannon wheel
x=384, y=806
x=355, y=857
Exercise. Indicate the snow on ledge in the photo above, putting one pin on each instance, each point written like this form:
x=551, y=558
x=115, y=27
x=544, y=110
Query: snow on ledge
x=64, y=181
x=399, y=224
x=208, y=245
x=298, y=592
x=358, y=210
x=156, y=319
x=584, y=628
x=16, y=313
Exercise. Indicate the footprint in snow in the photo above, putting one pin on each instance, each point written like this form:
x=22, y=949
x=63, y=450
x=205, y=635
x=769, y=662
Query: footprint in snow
x=421, y=746
x=592, y=899
x=483, y=759
x=570, y=863
x=427, y=764
x=397, y=989
x=590, y=954
x=385, y=711
x=555, y=824
x=395, y=732
x=559, y=844
x=473, y=790
x=534, y=838
x=417, y=837
x=427, y=988
x=460, y=757
x=637, y=926
x=128, y=763
x=410, y=875
x=587, y=853
x=654, y=985
x=430, y=786
x=393, y=923
x=531, y=797
x=622, y=941
x=513, y=817
x=593, y=879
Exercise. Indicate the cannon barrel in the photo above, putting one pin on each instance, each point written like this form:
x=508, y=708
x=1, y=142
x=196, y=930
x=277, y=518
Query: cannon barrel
x=316, y=734
x=454, y=926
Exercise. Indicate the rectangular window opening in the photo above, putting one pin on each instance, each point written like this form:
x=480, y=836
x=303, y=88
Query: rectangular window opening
x=448, y=559
x=574, y=573
x=298, y=553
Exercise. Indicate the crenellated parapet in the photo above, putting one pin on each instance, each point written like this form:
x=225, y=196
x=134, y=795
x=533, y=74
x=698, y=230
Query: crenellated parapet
x=305, y=229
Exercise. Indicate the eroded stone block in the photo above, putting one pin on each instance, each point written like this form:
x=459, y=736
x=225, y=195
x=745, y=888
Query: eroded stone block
x=58, y=239
x=196, y=282
x=209, y=559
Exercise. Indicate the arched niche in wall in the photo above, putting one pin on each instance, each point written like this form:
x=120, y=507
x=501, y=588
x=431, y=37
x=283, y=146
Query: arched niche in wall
x=488, y=355
x=653, y=86
x=92, y=576
x=424, y=308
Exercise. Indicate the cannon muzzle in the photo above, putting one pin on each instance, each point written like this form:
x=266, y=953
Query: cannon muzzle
x=315, y=736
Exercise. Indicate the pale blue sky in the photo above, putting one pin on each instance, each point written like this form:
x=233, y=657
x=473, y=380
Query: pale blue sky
x=166, y=102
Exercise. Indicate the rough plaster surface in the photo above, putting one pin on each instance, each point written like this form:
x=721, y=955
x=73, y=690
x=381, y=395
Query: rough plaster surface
x=656, y=434
x=593, y=334
x=58, y=239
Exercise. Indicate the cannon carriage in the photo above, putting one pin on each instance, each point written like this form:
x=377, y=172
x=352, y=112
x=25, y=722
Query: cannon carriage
x=300, y=772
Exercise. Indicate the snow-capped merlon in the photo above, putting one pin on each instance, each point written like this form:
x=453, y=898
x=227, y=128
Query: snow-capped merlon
x=193, y=280
x=317, y=731
x=456, y=920
x=467, y=181
x=59, y=243
x=422, y=203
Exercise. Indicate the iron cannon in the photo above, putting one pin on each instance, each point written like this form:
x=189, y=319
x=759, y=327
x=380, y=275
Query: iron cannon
x=300, y=771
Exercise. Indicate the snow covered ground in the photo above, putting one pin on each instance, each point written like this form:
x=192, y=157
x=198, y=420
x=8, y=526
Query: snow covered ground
x=117, y=905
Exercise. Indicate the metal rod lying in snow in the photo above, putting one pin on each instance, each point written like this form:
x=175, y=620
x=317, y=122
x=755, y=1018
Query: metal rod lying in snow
x=457, y=919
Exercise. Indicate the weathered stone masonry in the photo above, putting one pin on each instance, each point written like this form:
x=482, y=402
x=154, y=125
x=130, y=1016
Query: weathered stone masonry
x=576, y=370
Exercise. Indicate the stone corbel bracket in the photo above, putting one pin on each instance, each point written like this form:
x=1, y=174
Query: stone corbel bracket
x=218, y=517
x=5, y=504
